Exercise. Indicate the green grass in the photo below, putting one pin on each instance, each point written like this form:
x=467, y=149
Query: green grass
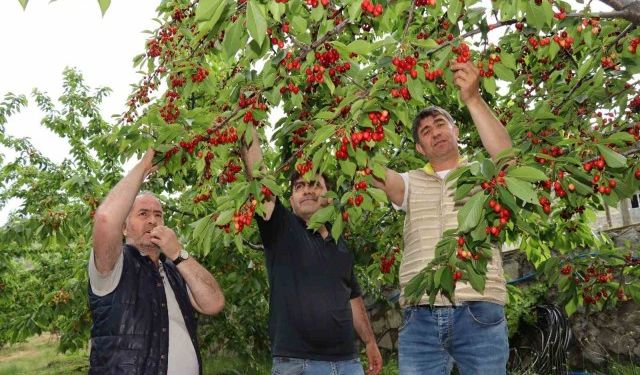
x=39, y=356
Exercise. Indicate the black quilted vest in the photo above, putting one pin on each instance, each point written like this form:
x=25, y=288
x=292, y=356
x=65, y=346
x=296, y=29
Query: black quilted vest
x=130, y=333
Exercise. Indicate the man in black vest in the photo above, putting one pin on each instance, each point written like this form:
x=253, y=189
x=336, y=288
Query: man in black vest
x=143, y=293
x=315, y=301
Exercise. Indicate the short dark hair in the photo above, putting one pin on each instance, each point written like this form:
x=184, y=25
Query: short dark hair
x=428, y=112
x=295, y=176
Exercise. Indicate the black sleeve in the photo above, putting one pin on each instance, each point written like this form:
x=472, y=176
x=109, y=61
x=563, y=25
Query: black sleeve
x=274, y=227
x=355, y=287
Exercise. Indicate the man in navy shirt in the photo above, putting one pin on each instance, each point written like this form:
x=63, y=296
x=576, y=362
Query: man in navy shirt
x=315, y=301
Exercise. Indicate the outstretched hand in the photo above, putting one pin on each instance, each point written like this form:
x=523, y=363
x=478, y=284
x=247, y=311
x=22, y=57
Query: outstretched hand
x=147, y=163
x=466, y=77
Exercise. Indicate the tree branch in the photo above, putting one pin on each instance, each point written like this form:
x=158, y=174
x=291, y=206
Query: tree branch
x=470, y=33
x=325, y=37
x=626, y=9
x=409, y=20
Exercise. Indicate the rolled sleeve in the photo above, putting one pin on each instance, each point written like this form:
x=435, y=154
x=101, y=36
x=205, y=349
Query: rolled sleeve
x=403, y=207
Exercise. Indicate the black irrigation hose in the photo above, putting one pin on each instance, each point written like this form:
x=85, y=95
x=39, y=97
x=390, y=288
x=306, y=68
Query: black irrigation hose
x=554, y=337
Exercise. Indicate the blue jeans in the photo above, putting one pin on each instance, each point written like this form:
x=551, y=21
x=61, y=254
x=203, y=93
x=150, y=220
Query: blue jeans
x=473, y=335
x=298, y=366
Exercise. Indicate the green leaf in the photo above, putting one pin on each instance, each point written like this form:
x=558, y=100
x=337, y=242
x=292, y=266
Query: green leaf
x=272, y=185
x=234, y=38
x=572, y=304
x=237, y=240
x=322, y=135
x=199, y=226
x=503, y=72
x=415, y=89
x=613, y=159
x=360, y=47
x=527, y=173
x=321, y=216
x=454, y=9
x=619, y=138
x=489, y=84
x=104, y=5
x=437, y=277
x=585, y=67
x=521, y=189
x=588, y=40
x=24, y=4
x=479, y=234
x=470, y=214
x=276, y=9
x=299, y=29
x=328, y=82
x=392, y=136
x=317, y=13
x=487, y=169
x=377, y=194
x=446, y=282
x=348, y=167
x=209, y=10
x=379, y=171
x=355, y=10
x=456, y=173
x=336, y=228
x=462, y=191
x=580, y=187
x=508, y=60
x=256, y=23
x=476, y=280
x=225, y=217
x=535, y=15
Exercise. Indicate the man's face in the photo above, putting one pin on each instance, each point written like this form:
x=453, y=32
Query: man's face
x=145, y=215
x=308, y=196
x=437, y=138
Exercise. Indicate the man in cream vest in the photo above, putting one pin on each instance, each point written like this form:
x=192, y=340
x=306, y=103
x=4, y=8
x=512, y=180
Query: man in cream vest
x=470, y=332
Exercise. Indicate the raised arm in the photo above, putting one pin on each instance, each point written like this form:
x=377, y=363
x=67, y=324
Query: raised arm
x=393, y=185
x=252, y=155
x=111, y=214
x=493, y=135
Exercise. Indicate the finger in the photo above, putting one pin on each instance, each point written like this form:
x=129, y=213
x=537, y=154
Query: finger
x=460, y=74
x=459, y=66
x=459, y=82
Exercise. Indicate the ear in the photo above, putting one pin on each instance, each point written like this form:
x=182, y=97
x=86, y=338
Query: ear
x=456, y=131
x=291, y=200
x=420, y=149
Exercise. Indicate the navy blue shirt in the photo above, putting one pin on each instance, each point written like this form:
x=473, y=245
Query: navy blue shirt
x=311, y=284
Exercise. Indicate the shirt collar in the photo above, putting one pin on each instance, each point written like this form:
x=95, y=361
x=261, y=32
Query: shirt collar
x=428, y=168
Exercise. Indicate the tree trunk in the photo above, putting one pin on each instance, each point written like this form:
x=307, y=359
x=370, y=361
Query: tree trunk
x=607, y=211
x=628, y=9
x=625, y=211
